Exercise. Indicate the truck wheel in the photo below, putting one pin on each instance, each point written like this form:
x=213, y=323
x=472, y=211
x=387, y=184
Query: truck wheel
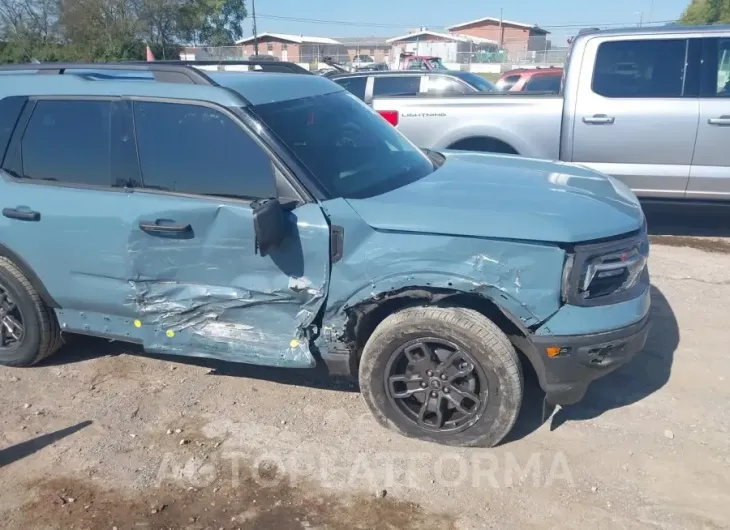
x=29, y=330
x=445, y=375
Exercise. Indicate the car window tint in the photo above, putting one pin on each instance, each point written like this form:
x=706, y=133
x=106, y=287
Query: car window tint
x=356, y=85
x=506, y=83
x=10, y=109
x=69, y=141
x=544, y=83
x=401, y=85
x=640, y=68
x=199, y=150
x=445, y=85
x=716, y=75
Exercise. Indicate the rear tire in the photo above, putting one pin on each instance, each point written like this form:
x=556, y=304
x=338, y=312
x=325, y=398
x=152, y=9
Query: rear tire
x=30, y=331
x=475, y=386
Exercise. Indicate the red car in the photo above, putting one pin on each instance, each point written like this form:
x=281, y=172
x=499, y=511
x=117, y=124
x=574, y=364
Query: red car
x=531, y=80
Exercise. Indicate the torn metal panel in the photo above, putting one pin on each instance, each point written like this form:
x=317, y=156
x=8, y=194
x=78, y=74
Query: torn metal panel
x=521, y=277
x=191, y=292
x=218, y=296
x=229, y=341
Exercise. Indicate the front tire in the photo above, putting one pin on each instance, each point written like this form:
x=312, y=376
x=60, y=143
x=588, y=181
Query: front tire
x=29, y=330
x=442, y=374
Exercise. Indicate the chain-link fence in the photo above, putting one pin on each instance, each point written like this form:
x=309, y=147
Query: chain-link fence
x=311, y=55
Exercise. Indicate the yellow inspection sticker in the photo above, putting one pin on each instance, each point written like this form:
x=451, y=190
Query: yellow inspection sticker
x=294, y=343
x=137, y=323
x=170, y=333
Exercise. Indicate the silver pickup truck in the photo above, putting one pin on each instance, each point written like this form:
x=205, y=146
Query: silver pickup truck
x=650, y=106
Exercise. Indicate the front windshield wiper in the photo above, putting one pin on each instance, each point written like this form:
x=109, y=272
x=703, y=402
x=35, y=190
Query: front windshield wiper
x=436, y=158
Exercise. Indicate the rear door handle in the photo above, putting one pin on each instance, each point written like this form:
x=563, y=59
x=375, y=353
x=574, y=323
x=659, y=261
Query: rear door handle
x=722, y=121
x=599, y=119
x=164, y=226
x=21, y=214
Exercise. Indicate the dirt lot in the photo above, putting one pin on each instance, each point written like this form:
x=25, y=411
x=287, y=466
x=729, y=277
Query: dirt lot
x=103, y=437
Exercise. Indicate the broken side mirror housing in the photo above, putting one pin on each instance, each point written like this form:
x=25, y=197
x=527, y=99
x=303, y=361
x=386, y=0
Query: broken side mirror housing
x=270, y=225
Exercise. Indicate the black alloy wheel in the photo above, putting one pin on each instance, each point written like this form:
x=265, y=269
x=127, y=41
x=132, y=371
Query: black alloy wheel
x=12, y=330
x=436, y=385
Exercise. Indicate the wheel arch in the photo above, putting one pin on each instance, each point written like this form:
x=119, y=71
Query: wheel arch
x=29, y=273
x=363, y=317
x=484, y=144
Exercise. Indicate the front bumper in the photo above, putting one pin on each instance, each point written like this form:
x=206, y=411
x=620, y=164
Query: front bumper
x=583, y=358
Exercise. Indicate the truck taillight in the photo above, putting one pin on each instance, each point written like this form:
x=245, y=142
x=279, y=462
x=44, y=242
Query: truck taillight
x=391, y=116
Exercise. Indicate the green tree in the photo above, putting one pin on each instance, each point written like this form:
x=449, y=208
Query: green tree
x=111, y=30
x=706, y=12
x=213, y=22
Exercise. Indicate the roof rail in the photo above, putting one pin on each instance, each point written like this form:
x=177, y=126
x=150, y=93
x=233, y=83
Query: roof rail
x=264, y=65
x=181, y=72
x=162, y=72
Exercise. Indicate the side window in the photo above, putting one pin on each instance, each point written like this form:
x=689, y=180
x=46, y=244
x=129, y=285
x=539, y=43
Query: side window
x=397, y=85
x=416, y=64
x=544, y=83
x=10, y=109
x=716, y=75
x=199, y=150
x=508, y=82
x=69, y=141
x=652, y=68
x=355, y=85
x=445, y=85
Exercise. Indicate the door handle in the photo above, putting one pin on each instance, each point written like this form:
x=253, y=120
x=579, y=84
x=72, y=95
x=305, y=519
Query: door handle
x=21, y=215
x=156, y=227
x=722, y=121
x=599, y=119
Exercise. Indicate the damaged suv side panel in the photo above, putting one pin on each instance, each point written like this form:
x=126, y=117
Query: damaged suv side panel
x=522, y=278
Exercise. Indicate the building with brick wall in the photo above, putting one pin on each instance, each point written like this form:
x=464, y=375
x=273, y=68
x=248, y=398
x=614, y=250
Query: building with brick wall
x=450, y=47
x=376, y=47
x=516, y=38
x=294, y=48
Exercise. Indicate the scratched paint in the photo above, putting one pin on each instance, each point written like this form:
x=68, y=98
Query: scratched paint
x=521, y=277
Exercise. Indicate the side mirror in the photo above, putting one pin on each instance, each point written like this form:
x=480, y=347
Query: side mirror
x=270, y=225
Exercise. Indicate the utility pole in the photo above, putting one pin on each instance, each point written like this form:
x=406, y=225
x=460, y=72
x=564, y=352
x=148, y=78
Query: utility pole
x=501, y=33
x=255, y=35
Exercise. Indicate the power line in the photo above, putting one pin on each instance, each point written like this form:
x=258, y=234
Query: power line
x=401, y=26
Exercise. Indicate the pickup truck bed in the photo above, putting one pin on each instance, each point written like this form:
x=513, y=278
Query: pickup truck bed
x=527, y=124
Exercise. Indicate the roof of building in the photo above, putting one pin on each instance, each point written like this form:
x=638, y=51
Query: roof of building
x=447, y=36
x=297, y=39
x=497, y=21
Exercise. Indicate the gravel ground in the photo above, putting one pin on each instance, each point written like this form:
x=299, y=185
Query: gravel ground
x=103, y=437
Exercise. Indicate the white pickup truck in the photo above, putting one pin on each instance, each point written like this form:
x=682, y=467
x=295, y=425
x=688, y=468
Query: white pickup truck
x=650, y=106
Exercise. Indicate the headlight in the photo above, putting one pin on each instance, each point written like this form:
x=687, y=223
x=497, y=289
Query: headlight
x=611, y=273
x=605, y=273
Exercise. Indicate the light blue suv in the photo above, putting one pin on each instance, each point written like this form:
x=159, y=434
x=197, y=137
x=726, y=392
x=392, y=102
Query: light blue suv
x=275, y=219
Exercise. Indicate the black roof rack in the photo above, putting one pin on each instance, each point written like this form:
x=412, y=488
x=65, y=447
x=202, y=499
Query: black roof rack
x=165, y=73
x=263, y=64
x=182, y=72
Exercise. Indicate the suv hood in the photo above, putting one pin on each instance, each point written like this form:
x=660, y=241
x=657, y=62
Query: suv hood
x=507, y=197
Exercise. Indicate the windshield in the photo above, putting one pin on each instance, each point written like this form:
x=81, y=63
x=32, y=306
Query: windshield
x=436, y=63
x=348, y=147
x=478, y=82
